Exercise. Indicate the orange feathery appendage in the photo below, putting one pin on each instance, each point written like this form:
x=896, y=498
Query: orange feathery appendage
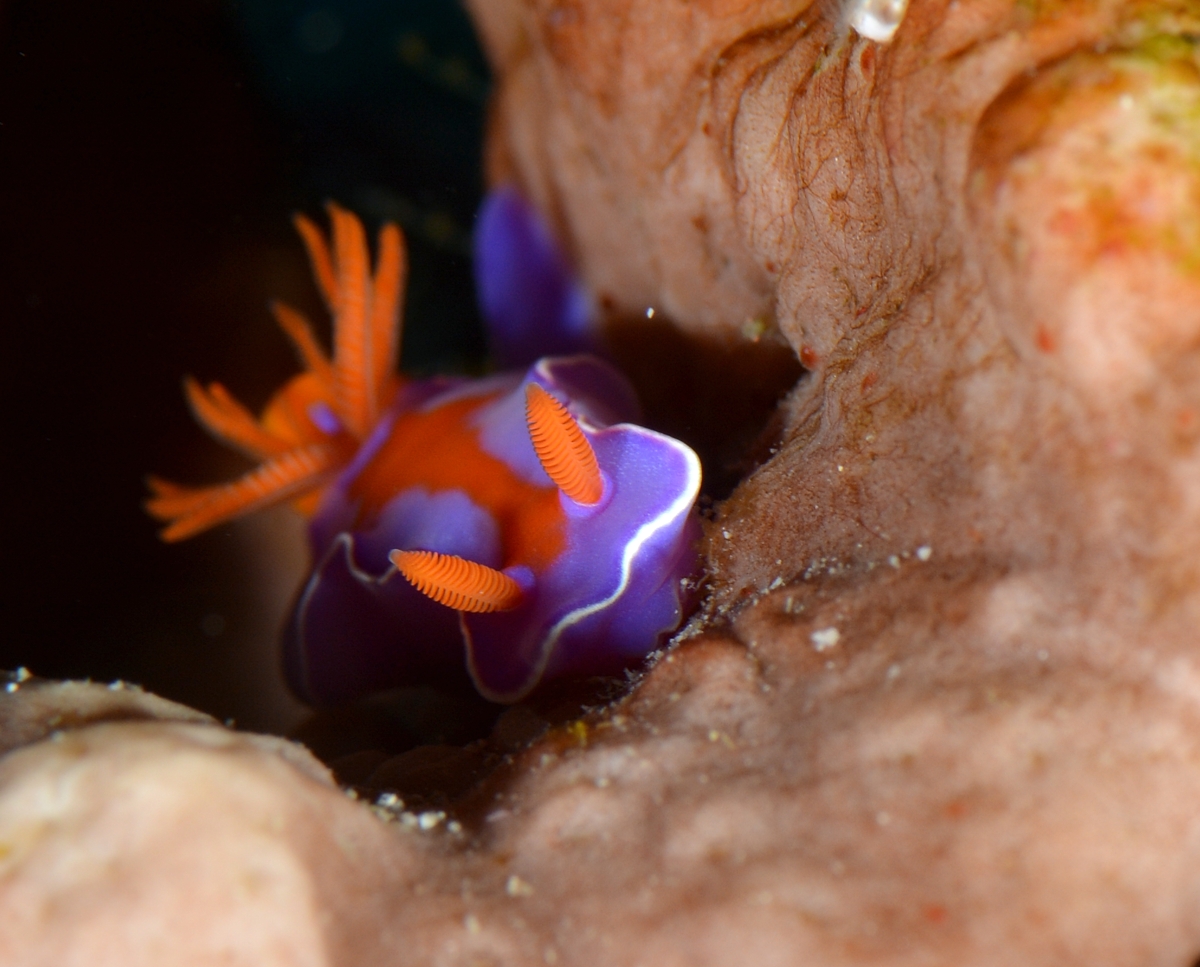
x=563, y=450
x=322, y=261
x=191, y=510
x=457, y=582
x=354, y=370
x=354, y=385
x=366, y=310
x=229, y=421
x=391, y=276
x=296, y=328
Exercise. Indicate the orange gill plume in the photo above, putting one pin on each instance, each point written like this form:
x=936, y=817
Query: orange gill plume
x=563, y=450
x=297, y=456
x=457, y=582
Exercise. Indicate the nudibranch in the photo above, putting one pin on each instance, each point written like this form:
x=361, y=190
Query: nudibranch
x=534, y=304
x=520, y=526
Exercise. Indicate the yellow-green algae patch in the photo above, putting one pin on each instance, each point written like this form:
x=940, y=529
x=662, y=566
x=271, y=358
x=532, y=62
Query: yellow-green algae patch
x=1129, y=117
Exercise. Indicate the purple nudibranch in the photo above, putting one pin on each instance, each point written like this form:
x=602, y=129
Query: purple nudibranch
x=521, y=527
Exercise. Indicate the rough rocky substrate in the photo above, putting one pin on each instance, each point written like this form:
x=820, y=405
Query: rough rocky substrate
x=907, y=795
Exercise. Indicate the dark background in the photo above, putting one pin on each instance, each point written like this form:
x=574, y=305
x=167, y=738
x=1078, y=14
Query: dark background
x=151, y=155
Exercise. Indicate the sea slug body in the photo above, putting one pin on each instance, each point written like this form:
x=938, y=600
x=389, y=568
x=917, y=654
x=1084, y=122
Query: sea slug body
x=521, y=526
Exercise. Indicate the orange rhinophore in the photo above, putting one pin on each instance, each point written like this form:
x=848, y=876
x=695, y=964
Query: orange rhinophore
x=563, y=450
x=310, y=429
x=458, y=583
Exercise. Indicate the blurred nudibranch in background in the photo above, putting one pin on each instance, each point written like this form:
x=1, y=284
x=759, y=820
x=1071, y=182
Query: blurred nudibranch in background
x=521, y=526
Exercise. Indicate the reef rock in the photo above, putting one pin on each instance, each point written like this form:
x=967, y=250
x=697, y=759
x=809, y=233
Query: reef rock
x=969, y=563
x=141, y=832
